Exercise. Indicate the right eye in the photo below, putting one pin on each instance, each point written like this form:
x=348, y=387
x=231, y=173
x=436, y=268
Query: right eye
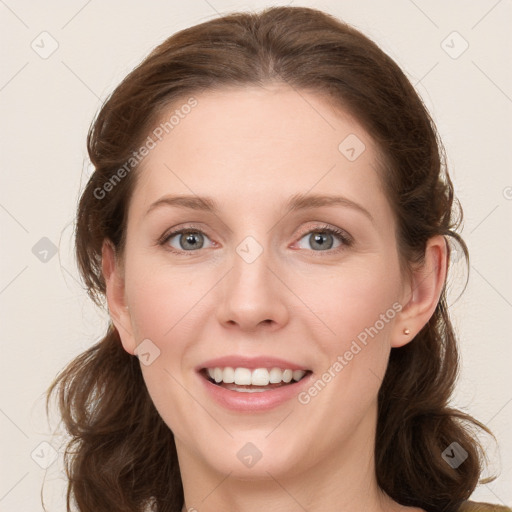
x=187, y=239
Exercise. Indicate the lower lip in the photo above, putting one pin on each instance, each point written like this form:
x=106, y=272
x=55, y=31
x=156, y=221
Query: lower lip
x=257, y=401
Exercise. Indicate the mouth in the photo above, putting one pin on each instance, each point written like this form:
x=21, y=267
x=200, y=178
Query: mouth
x=257, y=380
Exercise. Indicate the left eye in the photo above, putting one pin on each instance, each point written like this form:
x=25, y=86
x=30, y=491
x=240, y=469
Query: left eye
x=324, y=238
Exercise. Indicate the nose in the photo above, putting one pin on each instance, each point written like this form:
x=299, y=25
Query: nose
x=252, y=295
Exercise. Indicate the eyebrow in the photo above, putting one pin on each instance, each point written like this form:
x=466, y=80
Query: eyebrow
x=296, y=202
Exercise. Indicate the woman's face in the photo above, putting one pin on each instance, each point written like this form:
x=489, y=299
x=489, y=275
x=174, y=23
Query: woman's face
x=258, y=283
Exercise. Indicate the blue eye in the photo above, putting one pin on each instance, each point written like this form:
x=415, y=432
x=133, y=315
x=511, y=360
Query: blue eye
x=188, y=239
x=322, y=238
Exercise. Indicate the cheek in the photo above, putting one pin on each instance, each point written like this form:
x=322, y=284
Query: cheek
x=162, y=300
x=356, y=303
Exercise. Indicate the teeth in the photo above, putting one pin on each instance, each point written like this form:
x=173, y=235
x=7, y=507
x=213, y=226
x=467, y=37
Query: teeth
x=228, y=375
x=298, y=374
x=276, y=375
x=256, y=377
x=242, y=376
x=260, y=377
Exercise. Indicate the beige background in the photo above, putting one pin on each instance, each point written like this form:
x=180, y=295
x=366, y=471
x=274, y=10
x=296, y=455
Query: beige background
x=48, y=103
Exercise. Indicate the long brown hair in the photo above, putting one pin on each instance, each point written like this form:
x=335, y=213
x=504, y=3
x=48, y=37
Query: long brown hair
x=121, y=455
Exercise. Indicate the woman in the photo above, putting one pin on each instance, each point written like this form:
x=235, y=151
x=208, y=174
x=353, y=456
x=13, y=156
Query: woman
x=283, y=344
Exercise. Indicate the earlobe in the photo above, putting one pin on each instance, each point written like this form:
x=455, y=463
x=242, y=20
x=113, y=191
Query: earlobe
x=114, y=283
x=424, y=292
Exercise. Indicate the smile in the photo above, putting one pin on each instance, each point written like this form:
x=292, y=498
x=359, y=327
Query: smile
x=253, y=384
x=245, y=380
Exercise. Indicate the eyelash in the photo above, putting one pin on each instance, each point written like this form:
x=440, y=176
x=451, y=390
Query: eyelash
x=343, y=236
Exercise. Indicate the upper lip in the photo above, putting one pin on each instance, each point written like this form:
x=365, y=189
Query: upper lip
x=251, y=363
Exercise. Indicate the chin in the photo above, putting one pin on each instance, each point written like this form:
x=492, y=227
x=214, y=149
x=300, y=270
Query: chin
x=254, y=455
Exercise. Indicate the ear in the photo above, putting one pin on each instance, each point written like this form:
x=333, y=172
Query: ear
x=422, y=293
x=114, y=281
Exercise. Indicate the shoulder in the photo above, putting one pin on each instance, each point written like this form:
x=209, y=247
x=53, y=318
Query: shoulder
x=473, y=506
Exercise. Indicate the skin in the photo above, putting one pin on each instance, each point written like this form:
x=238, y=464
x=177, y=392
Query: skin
x=251, y=149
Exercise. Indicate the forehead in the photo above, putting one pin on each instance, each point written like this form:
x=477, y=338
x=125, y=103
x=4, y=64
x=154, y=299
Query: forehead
x=257, y=145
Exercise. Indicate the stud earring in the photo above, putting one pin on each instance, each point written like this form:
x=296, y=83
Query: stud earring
x=407, y=331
